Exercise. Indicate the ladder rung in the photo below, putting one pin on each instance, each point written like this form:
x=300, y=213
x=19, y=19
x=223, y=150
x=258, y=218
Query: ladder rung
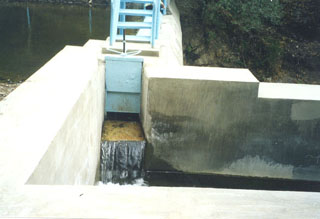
x=135, y=12
x=134, y=25
x=134, y=38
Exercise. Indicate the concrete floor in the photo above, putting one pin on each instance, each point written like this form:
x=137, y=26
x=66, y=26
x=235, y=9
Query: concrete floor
x=114, y=201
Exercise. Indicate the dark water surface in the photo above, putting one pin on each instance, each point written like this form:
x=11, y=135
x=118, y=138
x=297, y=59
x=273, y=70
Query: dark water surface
x=178, y=179
x=31, y=34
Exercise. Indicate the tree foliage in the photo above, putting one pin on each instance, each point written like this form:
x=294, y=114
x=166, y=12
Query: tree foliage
x=247, y=26
x=247, y=14
x=302, y=18
x=270, y=37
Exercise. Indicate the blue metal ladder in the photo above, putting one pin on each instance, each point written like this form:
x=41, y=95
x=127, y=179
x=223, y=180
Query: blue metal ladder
x=119, y=11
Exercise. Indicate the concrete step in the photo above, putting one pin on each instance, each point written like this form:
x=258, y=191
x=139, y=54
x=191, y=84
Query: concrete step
x=144, y=47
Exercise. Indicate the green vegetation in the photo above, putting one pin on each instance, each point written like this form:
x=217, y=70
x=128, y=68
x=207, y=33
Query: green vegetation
x=251, y=23
x=277, y=40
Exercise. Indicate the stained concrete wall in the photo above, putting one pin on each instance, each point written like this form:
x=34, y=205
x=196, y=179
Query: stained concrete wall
x=50, y=126
x=170, y=54
x=218, y=120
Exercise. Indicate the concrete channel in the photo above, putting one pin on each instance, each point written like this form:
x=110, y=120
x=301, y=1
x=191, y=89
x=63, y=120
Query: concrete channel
x=51, y=125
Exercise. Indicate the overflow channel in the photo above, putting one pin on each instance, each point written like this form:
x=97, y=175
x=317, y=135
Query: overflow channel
x=122, y=150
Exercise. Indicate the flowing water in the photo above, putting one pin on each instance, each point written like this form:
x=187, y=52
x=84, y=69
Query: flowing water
x=122, y=149
x=31, y=34
x=122, y=161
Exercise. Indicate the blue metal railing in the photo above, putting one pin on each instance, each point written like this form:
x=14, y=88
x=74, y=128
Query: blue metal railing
x=122, y=17
x=165, y=2
x=116, y=5
x=155, y=19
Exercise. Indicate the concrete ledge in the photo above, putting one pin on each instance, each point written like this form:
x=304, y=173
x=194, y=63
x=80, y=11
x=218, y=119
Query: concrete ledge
x=42, y=120
x=141, y=202
x=289, y=91
x=170, y=40
x=144, y=48
x=201, y=73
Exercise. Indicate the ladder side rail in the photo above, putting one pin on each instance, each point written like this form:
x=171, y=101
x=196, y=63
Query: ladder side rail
x=154, y=23
x=160, y=22
x=112, y=25
x=122, y=17
x=115, y=7
x=165, y=2
x=158, y=19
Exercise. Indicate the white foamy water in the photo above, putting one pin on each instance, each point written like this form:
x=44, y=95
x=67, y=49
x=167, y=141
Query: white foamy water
x=137, y=182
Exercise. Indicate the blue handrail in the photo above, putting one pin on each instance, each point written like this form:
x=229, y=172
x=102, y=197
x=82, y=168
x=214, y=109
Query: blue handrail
x=115, y=7
x=122, y=17
x=154, y=23
x=165, y=2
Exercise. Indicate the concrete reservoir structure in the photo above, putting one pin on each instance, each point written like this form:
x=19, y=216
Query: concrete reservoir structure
x=195, y=120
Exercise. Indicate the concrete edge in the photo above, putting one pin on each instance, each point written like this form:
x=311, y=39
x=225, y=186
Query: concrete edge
x=36, y=130
x=201, y=73
x=289, y=91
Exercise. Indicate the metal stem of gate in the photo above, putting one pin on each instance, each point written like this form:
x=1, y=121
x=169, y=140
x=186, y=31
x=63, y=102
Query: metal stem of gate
x=124, y=41
x=124, y=50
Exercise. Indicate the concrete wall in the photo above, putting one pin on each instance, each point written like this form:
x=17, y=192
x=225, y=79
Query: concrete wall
x=170, y=54
x=170, y=38
x=50, y=126
x=216, y=120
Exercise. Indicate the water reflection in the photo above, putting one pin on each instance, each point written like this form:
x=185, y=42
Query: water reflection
x=28, y=18
x=29, y=29
x=31, y=34
x=90, y=20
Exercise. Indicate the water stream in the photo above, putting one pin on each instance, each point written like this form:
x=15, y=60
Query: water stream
x=122, y=161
